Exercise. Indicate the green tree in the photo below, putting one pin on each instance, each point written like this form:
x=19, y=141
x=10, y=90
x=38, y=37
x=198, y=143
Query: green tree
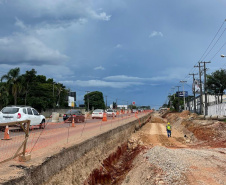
x=3, y=95
x=216, y=82
x=14, y=81
x=94, y=100
x=27, y=79
x=175, y=103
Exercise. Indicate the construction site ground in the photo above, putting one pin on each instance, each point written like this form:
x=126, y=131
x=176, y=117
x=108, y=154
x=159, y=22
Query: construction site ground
x=195, y=154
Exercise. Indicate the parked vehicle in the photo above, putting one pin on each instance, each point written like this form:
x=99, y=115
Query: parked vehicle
x=98, y=113
x=74, y=114
x=111, y=112
x=20, y=113
x=133, y=110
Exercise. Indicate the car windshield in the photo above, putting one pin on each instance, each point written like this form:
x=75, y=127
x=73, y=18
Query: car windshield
x=72, y=112
x=110, y=111
x=10, y=110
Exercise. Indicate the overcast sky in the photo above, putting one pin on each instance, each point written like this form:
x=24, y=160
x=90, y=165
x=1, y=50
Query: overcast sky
x=128, y=49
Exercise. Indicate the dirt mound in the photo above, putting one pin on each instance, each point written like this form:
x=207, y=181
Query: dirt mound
x=212, y=132
x=185, y=113
x=157, y=120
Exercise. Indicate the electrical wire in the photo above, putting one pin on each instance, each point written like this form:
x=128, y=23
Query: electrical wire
x=214, y=44
x=212, y=40
x=218, y=51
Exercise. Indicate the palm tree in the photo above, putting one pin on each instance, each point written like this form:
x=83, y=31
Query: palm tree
x=3, y=95
x=13, y=80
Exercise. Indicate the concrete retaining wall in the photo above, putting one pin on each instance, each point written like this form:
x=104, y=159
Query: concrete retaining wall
x=73, y=165
x=47, y=113
x=217, y=110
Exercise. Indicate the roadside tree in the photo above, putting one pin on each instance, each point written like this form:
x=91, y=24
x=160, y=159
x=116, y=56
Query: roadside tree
x=94, y=100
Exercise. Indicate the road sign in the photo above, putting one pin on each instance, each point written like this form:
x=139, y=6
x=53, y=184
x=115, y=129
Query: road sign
x=180, y=93
x=133, y=103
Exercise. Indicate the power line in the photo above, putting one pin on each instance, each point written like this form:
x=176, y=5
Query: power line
x=212, y=40
x=214, y=44
x=218, y=51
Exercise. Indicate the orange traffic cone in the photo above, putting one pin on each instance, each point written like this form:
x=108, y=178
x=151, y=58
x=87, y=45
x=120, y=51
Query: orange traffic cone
x=104, y=117
x=6, y=134
x=73, y=123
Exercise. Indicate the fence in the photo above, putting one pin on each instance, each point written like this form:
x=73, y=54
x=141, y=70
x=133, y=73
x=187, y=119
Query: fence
x=56, y=135
x=217, y=110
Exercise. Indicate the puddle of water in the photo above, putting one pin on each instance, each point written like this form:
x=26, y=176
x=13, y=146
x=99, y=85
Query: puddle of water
x=114, y=168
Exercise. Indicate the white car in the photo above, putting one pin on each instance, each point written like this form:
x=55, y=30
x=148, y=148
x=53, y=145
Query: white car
x=20, y=113
x=98, y=113
x=111, y=112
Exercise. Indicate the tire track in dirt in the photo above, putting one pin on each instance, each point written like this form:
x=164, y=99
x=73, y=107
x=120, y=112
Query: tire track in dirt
x=155, y=133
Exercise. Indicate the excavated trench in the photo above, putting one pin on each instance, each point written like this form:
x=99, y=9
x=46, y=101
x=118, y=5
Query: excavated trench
x=115, y=167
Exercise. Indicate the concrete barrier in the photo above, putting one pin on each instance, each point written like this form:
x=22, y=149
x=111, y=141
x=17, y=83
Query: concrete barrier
x=215, y=117
x=55, y=117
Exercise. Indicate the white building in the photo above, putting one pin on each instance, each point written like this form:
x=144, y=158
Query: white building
x=120, y=106
x=211, y=100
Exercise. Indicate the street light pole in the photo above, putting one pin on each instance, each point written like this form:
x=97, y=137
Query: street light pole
x=87, y=92
x=178, y=88
x=205, y=88
x=183, y=91
x=54, y=106
x=173, y=93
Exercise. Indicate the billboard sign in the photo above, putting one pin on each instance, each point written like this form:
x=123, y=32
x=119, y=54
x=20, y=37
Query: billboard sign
x=182, y=93
x=72, y=94
x=196, y=86
x=71, y=101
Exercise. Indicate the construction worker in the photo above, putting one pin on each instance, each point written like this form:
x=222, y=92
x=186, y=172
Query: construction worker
x=168, y=129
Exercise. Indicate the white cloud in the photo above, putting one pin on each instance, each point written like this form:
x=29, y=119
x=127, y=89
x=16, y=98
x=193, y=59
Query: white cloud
x=122, y=78
x=101, y=16
x=21, y=48
x=61, y=9
x=100, y=83
x=20, y=24
x=99, y=68
x=155, y=34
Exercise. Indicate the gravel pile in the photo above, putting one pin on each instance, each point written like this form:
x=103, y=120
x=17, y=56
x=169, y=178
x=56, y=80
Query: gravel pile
x=172, y=164
x=176, y=163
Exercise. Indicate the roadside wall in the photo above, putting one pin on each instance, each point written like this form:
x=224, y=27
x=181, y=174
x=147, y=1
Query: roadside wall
x=217, y=110
x=73, y=165
x=49, y=112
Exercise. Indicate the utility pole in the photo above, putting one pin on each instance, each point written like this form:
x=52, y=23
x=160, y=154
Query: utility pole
x=200, y=84
x=178, y=87
x=173, y=93
x=183, y=91
x=106, y=101
x=194, y=91
x=53, y=99
x=87, y=92
x=116, y=103
x=177, y=95
x=206, y=108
